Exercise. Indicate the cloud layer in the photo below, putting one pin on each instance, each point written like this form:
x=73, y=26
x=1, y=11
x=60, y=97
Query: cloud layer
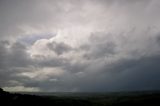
x=73, y=45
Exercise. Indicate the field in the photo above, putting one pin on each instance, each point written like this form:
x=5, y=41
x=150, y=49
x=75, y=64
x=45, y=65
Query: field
x=147, y=98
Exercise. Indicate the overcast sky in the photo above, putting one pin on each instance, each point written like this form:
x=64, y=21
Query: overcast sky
x=79, y=45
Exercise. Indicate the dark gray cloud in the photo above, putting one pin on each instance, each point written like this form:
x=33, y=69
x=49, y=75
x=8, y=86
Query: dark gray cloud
x=59, y=48
x=14, y=55
x=100, y=46
x=141, y=74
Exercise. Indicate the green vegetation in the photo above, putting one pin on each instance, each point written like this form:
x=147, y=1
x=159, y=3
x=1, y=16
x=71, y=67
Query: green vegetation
x=88, y=99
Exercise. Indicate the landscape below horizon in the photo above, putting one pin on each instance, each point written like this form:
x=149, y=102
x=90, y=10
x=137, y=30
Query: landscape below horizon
x=88, y=94
x=147, y=98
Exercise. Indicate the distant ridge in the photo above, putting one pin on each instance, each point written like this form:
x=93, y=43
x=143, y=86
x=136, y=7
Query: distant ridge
x=146, y=98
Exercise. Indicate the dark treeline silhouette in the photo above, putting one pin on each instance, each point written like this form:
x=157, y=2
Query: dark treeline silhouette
x=121, y=99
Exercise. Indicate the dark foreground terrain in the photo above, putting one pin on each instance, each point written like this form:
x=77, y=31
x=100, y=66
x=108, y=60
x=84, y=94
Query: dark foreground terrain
x=150, y=98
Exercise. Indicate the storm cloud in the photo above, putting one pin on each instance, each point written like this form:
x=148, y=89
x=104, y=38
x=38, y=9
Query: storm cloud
x=79, y=45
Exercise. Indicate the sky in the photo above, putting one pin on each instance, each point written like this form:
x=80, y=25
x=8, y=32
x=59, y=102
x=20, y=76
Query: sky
x=79, y=45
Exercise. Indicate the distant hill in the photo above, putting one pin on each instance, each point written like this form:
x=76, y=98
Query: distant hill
x=119, y=99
